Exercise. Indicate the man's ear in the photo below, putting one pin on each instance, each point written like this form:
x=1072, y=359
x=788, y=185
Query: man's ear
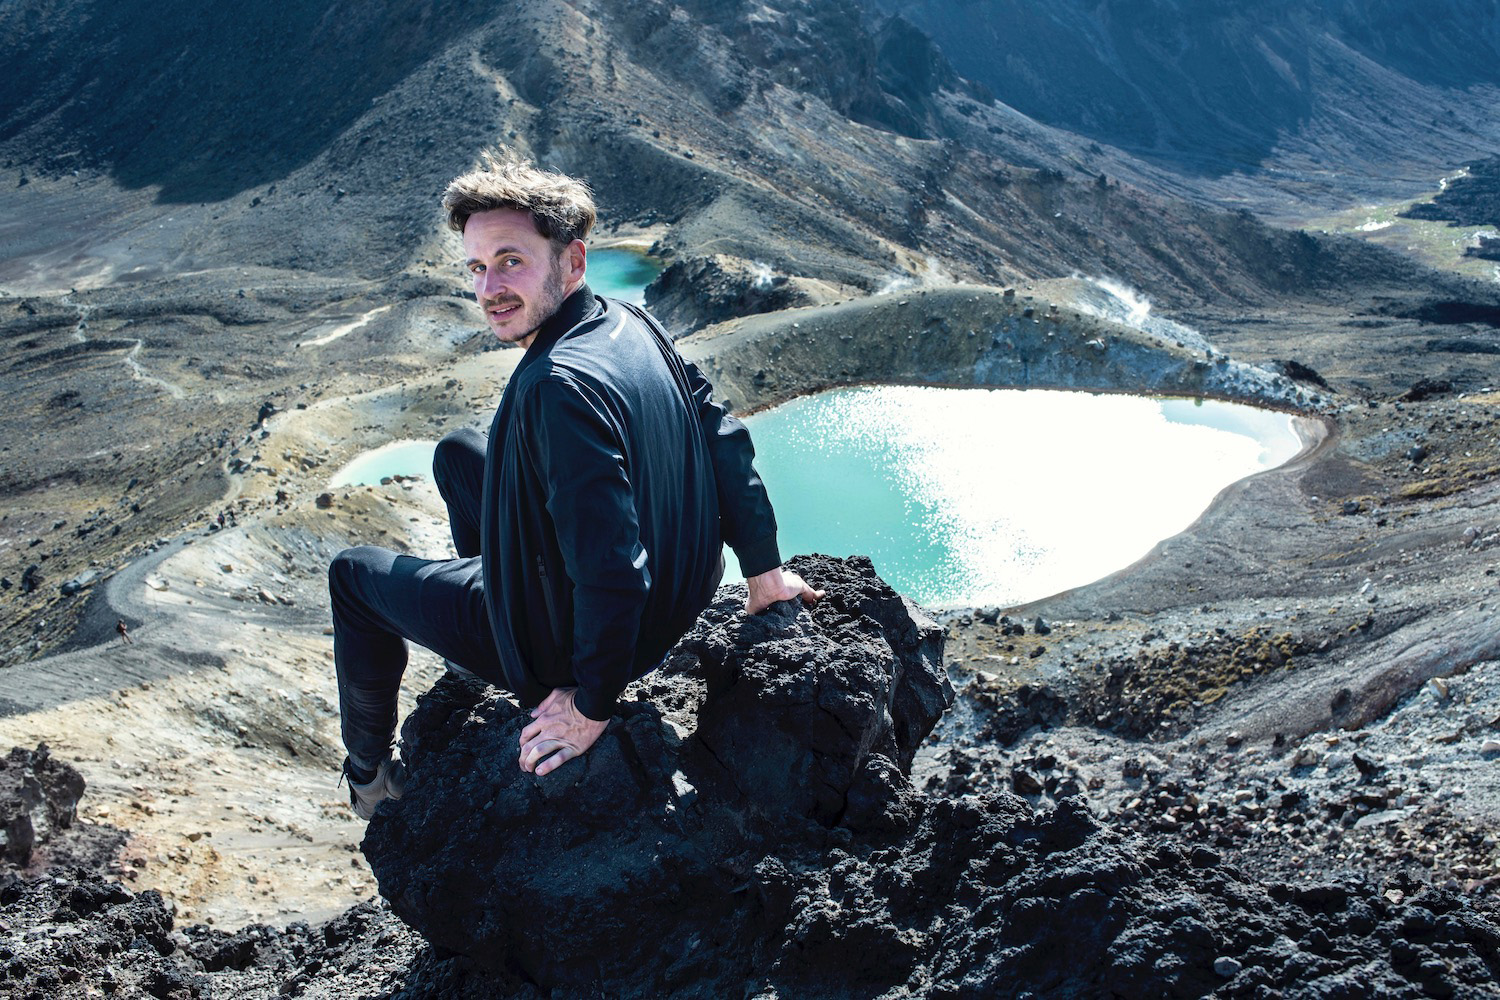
x=574, y=262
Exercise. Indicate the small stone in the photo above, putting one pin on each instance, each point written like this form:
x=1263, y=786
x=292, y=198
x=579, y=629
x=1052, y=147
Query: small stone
x=1490, y=746
x=1439, y=688
x=1024, y=782
x=1227, y=967
x=1234, y=738
x=1040, y=626
x=1352, y=507
x=324, y=501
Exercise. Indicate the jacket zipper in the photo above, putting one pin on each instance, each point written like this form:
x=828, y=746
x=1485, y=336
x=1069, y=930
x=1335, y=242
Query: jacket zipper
x=541, y=568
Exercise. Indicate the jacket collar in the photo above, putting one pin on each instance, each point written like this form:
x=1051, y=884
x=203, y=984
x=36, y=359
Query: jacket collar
x=576, y=308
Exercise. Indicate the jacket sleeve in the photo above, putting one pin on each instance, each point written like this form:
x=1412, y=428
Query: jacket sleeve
x=746, y=519
x=579, y=453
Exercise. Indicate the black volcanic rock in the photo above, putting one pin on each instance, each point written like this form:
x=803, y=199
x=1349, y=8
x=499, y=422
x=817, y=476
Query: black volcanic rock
x=694, y=292
x=1471, y=200
x=779, y=849
x=38, y=797
x=810, y=720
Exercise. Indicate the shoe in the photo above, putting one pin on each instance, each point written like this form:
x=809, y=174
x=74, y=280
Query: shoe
x=389, y=782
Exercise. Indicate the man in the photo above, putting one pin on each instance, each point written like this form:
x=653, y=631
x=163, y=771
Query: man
x=588, y=527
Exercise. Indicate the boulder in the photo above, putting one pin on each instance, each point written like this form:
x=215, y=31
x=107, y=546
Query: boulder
x=694, y=292
x=797, y=725
x=38, y=797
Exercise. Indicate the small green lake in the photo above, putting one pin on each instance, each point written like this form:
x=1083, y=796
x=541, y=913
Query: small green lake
x=621, y=273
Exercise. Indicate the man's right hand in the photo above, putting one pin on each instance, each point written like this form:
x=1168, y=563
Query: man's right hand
x=557, y=733
x=777, y=585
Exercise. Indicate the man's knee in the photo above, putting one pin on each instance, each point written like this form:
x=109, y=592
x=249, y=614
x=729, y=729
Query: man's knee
x=455, y=453
x=351, y=565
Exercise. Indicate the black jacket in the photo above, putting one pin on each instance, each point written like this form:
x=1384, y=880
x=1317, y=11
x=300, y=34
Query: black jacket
x=612, y=480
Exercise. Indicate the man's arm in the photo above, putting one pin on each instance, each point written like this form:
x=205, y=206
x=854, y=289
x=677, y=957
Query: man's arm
x=746, y=518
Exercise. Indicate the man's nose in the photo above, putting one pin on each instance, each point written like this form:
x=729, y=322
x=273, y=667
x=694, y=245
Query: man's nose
x=488, y=283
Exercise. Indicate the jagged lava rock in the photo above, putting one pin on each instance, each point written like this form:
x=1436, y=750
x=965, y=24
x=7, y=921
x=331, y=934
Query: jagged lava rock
x=38, y=796
x=593, y=872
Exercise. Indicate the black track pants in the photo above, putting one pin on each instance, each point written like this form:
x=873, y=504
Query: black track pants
x=382, y=598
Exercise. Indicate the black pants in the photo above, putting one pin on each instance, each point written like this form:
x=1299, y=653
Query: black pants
x=383, y=598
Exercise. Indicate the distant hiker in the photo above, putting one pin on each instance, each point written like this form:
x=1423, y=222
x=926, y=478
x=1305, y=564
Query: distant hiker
x=589, y=527
x=124, y=631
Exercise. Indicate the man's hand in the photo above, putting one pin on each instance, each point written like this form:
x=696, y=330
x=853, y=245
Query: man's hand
x=557, y=734
x=777, y=585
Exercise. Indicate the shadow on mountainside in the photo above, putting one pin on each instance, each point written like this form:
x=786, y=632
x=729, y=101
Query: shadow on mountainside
x=204, y=101
x=1213, y=88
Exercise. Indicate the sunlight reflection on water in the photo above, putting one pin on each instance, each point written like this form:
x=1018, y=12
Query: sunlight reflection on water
x=1000, y=496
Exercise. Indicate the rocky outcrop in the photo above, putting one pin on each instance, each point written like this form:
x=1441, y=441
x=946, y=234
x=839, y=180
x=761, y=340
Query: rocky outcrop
x=748, y=827
x=807, y=720
x=697, y=291
x=1472, y=199
x=38, y=797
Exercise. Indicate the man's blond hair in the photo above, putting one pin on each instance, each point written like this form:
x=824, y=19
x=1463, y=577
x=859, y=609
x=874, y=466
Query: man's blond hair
x=562, y=208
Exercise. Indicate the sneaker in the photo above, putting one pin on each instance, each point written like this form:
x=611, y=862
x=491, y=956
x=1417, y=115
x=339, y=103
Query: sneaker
x=389, y=782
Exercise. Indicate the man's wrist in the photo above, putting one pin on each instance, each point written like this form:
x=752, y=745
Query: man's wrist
x=593, y=706
x=760, y=556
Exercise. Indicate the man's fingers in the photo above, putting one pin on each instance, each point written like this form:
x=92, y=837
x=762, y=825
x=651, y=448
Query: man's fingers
x=535, y=756
x=532, y=730
x=534, y=751
x=564, y=754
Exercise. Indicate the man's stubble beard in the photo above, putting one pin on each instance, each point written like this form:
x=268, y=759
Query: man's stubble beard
x=540, y=310
x=552, y=295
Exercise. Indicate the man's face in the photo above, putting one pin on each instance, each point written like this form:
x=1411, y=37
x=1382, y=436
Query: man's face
x=519, y=278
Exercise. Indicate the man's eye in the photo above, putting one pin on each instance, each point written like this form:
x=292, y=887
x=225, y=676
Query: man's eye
x=475, y=268
x=512, y=262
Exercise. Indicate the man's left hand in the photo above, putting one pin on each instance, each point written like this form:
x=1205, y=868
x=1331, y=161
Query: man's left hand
x=557, y=733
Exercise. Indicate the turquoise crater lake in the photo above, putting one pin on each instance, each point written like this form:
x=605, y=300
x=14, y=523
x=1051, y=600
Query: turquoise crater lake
x=966, y=497
x=622, y=273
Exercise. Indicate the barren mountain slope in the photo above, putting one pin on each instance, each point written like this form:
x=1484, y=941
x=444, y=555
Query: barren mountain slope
x=1275, y=101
